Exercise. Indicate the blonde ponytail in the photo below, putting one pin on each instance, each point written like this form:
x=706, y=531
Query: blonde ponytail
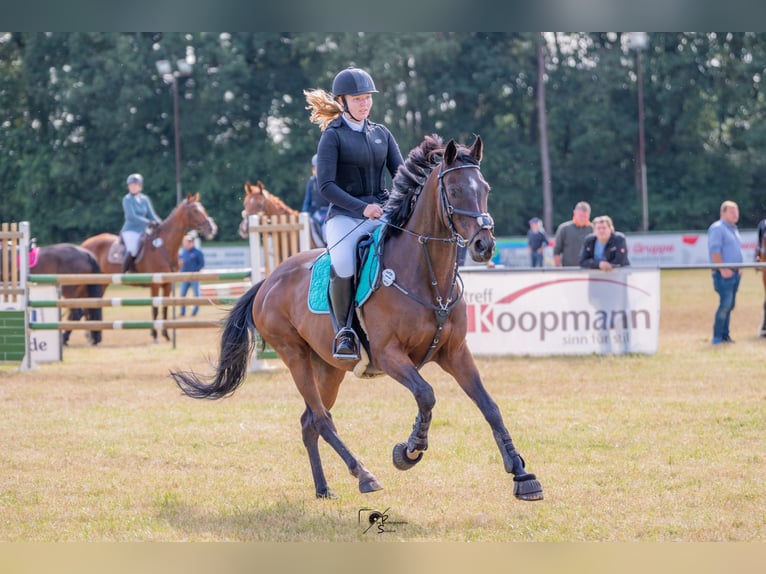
x=324, y=109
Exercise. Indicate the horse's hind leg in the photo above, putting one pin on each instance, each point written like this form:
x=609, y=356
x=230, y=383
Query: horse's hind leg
x=763, y=326
x=316, y=421
x=73, y=315
x=311, y=442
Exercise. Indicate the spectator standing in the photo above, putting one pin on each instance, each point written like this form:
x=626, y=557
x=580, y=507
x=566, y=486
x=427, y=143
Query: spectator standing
x=537, y=240
x=316, y=205
x=725, y=246
x=570, y=236
x=192, y=259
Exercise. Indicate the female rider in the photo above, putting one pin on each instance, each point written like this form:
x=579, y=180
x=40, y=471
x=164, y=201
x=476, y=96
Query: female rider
x=353, y=156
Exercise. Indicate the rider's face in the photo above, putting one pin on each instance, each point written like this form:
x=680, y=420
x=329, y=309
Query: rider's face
x=359, y=106
x=135, y=187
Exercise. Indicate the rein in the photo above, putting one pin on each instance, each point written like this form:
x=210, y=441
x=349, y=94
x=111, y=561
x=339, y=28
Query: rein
x=443, y=306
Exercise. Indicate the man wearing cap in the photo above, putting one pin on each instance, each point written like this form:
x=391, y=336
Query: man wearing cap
x=537, y=240
x=139, y=213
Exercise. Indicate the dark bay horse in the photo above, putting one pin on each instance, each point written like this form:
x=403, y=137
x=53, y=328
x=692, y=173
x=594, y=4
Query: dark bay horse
x=438, y=204
x=67, y=258
x=761, y=256
x=159, y=253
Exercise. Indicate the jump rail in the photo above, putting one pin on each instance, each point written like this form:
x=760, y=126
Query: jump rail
x=137, y=278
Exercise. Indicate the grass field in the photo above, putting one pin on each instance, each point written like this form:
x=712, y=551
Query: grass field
x=667, y=447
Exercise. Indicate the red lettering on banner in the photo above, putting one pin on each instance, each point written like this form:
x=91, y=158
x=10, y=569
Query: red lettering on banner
x=483, y=321
x=640, y=248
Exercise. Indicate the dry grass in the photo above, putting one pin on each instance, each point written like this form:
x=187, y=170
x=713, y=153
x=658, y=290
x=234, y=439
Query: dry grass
x=103, y=446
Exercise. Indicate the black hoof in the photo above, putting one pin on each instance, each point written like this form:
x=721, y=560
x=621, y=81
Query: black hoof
x=401, y=460
x=527, y=487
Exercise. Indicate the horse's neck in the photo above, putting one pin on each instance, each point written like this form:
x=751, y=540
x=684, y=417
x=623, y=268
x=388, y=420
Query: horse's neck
x=173, y=229
x=426, y=222
x=279, y=207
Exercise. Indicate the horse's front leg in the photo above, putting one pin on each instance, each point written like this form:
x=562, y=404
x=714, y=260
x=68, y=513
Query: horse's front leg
x=460, y=364
x=155, y=313
x=397, y=365
x=165, y=295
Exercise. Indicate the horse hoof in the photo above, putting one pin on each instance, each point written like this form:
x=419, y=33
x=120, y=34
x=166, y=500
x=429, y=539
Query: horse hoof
x=327, y=494
x=401, y=460
x=527, y=487
x=370, y=486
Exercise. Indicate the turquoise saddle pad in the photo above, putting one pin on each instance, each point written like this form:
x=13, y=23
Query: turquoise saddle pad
x=320, y=278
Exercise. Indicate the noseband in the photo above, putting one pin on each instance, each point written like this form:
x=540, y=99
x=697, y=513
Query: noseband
x=484, y=220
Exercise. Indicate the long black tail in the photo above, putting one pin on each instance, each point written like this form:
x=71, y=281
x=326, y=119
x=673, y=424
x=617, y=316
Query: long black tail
x=237, y=346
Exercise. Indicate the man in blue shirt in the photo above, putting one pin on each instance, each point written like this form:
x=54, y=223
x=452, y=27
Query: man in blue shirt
x=725, y=246
x=193, y=260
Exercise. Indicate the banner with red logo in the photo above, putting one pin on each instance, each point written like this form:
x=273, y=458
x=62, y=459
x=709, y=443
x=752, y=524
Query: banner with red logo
x=562, y=312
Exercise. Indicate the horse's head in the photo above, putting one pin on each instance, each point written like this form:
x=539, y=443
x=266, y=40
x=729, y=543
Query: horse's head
x=463, y=194
x=197, y=217
x=254, y=203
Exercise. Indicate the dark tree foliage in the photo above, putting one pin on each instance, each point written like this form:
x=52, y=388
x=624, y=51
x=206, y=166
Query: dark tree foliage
x=80, y=111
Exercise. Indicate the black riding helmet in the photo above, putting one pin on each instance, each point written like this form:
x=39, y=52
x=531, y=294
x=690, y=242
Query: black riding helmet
x=352, y=82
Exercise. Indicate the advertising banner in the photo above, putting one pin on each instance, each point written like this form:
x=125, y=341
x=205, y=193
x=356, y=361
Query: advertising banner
x=566, y=312
x=44, y=345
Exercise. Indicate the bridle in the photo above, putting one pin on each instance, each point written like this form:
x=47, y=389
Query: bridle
x=443, y=305
x=484, y=220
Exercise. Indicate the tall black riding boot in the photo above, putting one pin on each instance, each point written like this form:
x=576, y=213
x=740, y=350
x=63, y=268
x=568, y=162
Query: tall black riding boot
x=127, y=264
x=342, y=302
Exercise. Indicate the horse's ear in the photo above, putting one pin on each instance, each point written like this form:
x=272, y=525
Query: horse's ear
x=196, y=197
x=450, y=152
x=260, y=185
x=477, y=149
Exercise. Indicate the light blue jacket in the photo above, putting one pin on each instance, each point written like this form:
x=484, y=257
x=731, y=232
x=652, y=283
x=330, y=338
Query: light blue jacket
x=138, y=212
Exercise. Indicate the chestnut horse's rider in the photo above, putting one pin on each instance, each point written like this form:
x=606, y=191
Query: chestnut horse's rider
x=139, y=214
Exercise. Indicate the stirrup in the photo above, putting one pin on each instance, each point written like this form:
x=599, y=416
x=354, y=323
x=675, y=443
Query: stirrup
x=346, y=332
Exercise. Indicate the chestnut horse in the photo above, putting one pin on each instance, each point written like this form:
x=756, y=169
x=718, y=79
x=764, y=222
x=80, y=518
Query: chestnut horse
x=761, y=256
x=260, y=201
x=159, y=253
x=438, y=204
x=67, y=258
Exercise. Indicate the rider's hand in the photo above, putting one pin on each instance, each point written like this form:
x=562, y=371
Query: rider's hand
x=373, y=211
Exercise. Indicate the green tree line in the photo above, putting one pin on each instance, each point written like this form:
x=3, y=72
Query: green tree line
x=80, y=111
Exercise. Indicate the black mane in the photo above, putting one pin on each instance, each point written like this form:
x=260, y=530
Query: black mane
x=411, y=176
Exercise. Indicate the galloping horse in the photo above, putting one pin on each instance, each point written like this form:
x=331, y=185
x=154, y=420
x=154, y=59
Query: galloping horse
x=67, y=258
x=438, y=203
x=761, y=253
x=260, y=201
x=159, y=253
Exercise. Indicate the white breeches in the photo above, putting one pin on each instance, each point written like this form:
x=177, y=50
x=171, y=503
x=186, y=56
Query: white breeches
x=131, y=239
x=342, y=234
